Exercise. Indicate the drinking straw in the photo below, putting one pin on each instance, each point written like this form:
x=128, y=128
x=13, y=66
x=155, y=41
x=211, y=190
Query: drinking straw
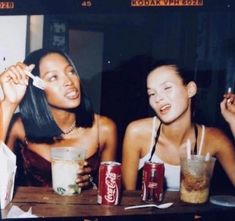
x=188, y=146
x=202, y=140
x=207, y=156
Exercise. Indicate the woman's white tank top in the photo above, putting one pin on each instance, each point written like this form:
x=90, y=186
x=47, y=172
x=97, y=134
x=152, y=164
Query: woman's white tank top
x=172, y=172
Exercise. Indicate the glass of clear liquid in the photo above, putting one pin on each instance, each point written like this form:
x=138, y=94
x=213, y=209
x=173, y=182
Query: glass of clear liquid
x=65, y=162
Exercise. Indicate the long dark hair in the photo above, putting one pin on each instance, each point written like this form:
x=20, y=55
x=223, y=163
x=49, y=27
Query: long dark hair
x=35, y=112
x=187, y=74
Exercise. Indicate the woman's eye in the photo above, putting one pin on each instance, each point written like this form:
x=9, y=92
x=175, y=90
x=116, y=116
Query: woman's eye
x=71, y=72
x=167, y=88
x=151, y=94
x=52, y=78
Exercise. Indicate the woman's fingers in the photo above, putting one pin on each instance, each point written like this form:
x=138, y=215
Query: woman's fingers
x=11, y=76
x=230, y=98
x=16, y=74
x=84, y=177
x=227, y=110
x=86, y=169
x=231, y=107
x=84, y=180
x=223, y=104
x=229, y=104
x=23, y=76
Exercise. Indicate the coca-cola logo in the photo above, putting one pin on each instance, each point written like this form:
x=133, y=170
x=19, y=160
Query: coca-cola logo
x=111, y=187
x=152, y=185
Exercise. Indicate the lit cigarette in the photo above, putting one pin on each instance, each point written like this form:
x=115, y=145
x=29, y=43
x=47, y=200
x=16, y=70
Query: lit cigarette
x=229, y=90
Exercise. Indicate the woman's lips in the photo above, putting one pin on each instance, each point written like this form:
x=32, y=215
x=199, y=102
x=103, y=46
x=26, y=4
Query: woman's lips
x=73, y=94
x=164, y=109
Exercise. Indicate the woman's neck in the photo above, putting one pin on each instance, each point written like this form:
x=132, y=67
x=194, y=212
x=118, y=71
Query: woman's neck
x=64, y=119
x=178, y=132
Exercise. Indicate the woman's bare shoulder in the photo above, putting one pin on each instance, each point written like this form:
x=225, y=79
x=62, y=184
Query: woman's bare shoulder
x=217, y=137
x=213, y=132
x=103, y=119
x=105, y=123
x=140, y=126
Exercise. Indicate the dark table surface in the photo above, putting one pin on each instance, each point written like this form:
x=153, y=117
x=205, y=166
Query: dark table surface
x=47, y=204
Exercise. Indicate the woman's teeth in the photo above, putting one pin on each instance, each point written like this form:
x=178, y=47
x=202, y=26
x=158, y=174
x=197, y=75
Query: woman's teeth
x=165, y=108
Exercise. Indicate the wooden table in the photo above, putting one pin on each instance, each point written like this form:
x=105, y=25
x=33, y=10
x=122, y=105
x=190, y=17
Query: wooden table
x=47, y=204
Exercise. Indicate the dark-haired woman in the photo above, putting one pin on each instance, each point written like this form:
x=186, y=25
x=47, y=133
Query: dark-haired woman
x=59, y=115
x=160, y=138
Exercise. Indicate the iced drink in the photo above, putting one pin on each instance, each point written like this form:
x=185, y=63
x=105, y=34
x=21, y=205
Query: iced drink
x=195, y=178
x=65, y=162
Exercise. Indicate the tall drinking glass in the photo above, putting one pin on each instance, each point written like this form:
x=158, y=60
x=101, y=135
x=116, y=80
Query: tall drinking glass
x=65, y=162
x=195, y=178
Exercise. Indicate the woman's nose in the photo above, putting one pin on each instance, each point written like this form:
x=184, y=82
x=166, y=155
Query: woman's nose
x=158, y=97
x=67, y=80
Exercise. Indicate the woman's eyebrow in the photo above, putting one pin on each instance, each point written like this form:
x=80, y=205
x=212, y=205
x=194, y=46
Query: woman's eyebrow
x=164, y=82
x=68, y=66
x=48, y=72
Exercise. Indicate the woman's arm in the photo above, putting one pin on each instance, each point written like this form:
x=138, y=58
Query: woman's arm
x=130, y=157
x=13, y=83
x=224, y=152
x=108, y=138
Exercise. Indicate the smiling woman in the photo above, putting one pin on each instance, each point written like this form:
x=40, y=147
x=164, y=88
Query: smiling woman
x=159, y=139
x=60, y=115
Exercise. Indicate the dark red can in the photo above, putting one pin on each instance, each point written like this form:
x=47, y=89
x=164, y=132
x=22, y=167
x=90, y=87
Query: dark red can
x=109, y=186
x=152, y=182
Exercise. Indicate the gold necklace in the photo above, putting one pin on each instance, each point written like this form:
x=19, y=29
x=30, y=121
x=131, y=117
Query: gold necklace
x=69, y=130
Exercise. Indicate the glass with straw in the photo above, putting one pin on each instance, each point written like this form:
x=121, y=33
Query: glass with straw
x=196, y=173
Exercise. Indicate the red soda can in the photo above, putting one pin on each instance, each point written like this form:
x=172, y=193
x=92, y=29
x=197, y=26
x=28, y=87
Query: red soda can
x=152, y=182
x=109, y=184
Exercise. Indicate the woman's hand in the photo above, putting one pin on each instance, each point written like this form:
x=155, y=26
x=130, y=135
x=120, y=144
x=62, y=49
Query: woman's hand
x=85, y=179
x=227, y=107
x=14, y=82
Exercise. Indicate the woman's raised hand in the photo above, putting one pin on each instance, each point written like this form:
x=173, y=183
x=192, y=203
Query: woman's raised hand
x=227, y=107
x=14, y=82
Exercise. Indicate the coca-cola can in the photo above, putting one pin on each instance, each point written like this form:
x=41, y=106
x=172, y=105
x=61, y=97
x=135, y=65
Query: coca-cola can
x=152, y=182
x=109, y=184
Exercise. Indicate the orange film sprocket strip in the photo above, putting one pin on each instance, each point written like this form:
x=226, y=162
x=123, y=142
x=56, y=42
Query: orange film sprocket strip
x=162, y=3
x=7, y=5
